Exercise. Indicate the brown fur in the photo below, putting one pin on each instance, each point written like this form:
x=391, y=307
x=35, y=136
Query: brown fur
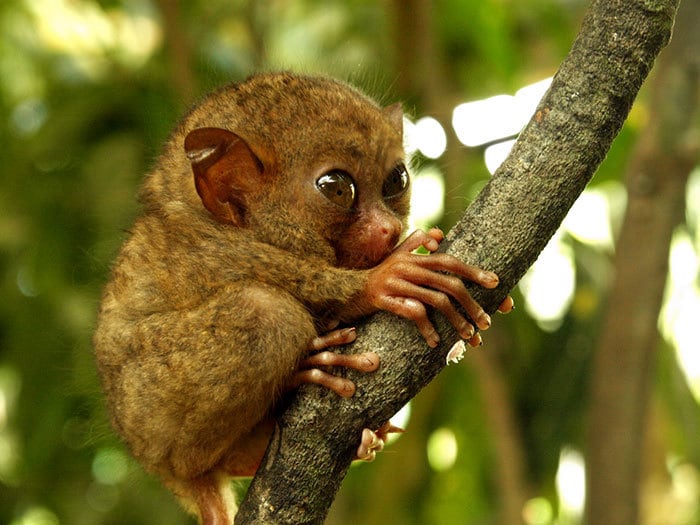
x=204, y=322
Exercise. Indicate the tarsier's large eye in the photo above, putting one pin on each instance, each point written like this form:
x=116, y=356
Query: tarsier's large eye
x=396, y=183
x=338, y=187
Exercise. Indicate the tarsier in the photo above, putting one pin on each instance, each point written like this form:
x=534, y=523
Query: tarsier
x=271, y=218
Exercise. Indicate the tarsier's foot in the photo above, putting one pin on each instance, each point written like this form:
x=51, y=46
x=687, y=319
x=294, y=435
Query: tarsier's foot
x=310, y=373
x=373, y=441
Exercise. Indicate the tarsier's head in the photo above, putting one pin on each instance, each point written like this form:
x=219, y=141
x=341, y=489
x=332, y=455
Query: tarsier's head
x=302, y=160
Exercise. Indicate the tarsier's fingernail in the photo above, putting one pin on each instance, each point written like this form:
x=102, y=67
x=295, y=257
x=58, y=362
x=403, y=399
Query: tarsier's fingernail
x=486, y=320
x=371, y=361
x=507, y=306
x=467, y=331
x=489, y=277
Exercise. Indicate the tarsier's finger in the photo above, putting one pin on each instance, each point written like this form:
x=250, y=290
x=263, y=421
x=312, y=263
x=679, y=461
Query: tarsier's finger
x=442, y=303
x=453, y=287
x=448, y=263
x=430, y=241
x=415, y=311
x=364, y=362
x=507, y=305
x=437, y=234
x=340, y=385
x=433, y=296
x=339, y=337
x=475, y=340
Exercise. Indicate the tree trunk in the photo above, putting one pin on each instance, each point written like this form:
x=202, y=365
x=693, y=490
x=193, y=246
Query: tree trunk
x=624, y=362
x=504, y=230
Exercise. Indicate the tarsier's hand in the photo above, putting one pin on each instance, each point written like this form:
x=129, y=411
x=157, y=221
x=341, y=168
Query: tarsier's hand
x=405, y=282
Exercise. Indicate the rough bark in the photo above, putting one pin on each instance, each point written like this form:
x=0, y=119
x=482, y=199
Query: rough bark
x=516, y=213
x=624, y=361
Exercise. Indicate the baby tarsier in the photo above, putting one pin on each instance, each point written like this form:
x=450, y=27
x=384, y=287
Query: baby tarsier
x=271, y=217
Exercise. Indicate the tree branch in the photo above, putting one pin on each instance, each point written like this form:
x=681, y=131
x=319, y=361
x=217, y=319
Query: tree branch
x=504, y=230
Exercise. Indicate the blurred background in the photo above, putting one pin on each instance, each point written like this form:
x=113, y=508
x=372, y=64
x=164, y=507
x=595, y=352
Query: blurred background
x=89, y=91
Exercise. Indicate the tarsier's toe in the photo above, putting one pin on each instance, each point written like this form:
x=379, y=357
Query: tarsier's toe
x=374, y=441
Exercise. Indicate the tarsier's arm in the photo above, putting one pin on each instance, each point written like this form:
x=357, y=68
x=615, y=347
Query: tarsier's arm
x=403, y=283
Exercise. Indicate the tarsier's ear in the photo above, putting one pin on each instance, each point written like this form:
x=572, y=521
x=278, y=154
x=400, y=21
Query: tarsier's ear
x=226, y=172
x=395, y=115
